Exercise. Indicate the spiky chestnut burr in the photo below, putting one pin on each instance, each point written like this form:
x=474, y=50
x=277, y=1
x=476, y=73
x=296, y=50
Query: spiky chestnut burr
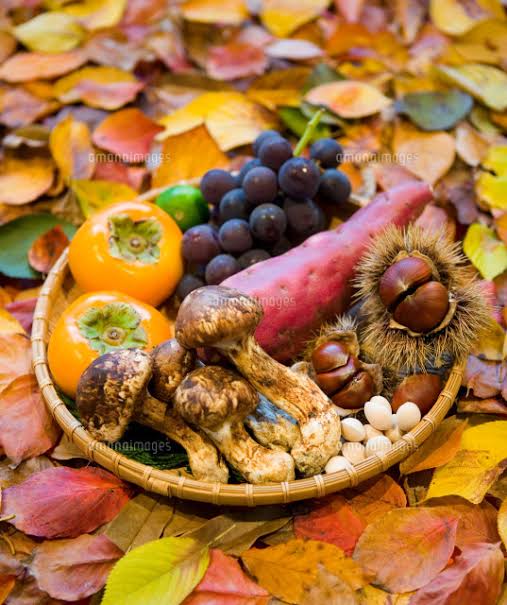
x=452, y=315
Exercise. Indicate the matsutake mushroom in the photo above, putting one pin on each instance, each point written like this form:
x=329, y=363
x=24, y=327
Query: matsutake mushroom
x=217, y=401
x=112, y=392
x=272, y=427
x=226, y=319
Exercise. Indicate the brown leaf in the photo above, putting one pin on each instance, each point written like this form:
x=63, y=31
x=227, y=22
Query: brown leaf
x=375, y=497
x=329, y=589
x=24, y=180
x=26, y=427
x=440, y=447
x=471, y=405
x=15, y=358
x=457, y=187
x=26, y=66
x=19, y=107
x=47, y=248
x=417, y=541
x=74, y=569
x=483, y=378
x=23, y=310
x=12, y=476
x=476, y=577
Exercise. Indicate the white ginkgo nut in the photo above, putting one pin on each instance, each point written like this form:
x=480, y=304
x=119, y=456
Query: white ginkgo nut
x=354, y=451
x=408, y=416
x=337, y=463
x=378, y=445
x=378, y=415
x=353, y=429
x=370, y=432
x=382, y=400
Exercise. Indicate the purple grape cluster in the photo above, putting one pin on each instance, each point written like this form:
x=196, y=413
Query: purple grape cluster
x=265, y=210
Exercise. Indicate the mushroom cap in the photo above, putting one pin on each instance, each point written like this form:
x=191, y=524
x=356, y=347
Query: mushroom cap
x=210, y=396
x=111, y=391
x=216, y=314
x=171, y=363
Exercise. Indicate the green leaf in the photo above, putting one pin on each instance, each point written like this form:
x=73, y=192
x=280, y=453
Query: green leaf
x=485, y=250
x=436, y=110
x=162, y=572
x=17, y=237
x=93, y=195
x=294, y=119
x=321, y=74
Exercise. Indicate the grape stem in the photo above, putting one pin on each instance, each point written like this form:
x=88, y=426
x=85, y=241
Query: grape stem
x=310, y=129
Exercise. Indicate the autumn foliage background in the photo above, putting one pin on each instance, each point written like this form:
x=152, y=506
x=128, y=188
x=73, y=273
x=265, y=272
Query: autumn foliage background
x=105, y=100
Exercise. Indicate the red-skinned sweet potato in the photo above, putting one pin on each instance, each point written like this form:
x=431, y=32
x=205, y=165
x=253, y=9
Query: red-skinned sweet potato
x=311, y=283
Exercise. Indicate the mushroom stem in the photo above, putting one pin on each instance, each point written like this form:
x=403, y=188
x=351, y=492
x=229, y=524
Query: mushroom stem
x=272, y=427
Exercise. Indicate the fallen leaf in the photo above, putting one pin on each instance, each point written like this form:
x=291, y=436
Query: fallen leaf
x=15, y=358
x=294, y=49
x=10, y=475
x=165, y=570
x=502, y=522
x=427, y=155
x=176, y=163
x=351, y=10
x=25, y=66
x=457, y=187
x=24, y=180
x=484, y=82
x=434, y=218
x=17, y=237
x=74, y=569
x=95, y=195
x=438, y=110
x=103, y=87
x=225, y=582
x=47, y=249
x=331, y=520
x=375, y=497
x=52, y=32
x=133, y=176
x=476, y=577
x=26, y=426
x=440, y=447
x=19, y=107
x=23, y=311
x=482, y=377
x=7, y=45
x=457, y=17
x=478, y=463
x=96, y=14
x=329, y=589
x=482, y=406
x=485, y=250
x=282, y=17
x=410, y=14
x=128, y=133
x=476, y=523
x=9, y=324
x=417, y=540
x=7, y=583
x=349, y=99
x=90, y=497
x=471, y=145
x=289, y=570
x=71, y=148
x=235, y=60
x=231, y=12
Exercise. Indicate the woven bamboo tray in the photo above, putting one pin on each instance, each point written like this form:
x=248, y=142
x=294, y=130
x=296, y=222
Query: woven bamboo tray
x=168, y=483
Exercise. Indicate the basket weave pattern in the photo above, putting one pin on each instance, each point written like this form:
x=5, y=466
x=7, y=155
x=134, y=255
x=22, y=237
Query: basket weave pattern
x=169, y=483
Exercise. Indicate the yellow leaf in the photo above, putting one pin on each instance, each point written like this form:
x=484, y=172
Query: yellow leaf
x=481, y=459
x=428, y=155
x=24, y=180
x=97, y=14
x=187, y=156
x=485, y=250
x=496, y=160
x=272, y=99
x=103, y=87
x=502, y=522
x=94, y=195
x=349, y=99
x=438, y=449
x=489, y=36
x=289, y=570
x=282, y=17
x=52, y=32
x=471, y=146
x=484, y=82
x=492, y=343
x=9, y=324
x=71, y=147
x=232, y=12
x=492, y=190
x=455, y=17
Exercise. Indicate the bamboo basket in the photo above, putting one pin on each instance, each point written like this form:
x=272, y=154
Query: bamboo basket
x=169, y=483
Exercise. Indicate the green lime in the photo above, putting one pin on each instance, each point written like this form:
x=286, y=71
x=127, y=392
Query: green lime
x=185, y=204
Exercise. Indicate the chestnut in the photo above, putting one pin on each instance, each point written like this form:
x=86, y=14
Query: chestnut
x=402, y=277
x=356, y=392
x=331, y=381
x=329, y=355
x=422, y=389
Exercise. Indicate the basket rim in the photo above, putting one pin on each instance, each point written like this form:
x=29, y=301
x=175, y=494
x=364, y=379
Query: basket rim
x=168, y=483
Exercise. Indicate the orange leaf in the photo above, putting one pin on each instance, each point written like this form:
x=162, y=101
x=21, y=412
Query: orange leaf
x=235, y=60
x=15, y=358
x=25, y=66
x=47, y=248
x=72, y=150
x=19, y=107
x=282, y=17
x=9, y=324
x=128, y=133
x=187, y=156
x=26, y=427
x=332, y=520
x=24, y=180
x=373, y=498
x=133, y=176
x=407, y=548
x=231, y=12
x=349, y=99
x=476, y=577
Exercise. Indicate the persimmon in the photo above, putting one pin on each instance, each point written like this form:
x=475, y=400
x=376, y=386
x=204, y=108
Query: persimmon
x=97, y=323
x=131, y=247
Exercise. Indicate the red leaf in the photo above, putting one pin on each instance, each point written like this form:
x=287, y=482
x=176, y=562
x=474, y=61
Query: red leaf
x=23, y=310
x=64, y=502
x=475, y=577
x=74, y=569
x=483, y=377
x=26, y=427
x=15, y=357
x=133, y=176
x=47, y=248
x=334, y=521
x=235, y=60
x=128, y=133
x=225, y=583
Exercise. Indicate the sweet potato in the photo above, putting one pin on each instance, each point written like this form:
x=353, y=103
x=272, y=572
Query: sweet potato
x=311, y=283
